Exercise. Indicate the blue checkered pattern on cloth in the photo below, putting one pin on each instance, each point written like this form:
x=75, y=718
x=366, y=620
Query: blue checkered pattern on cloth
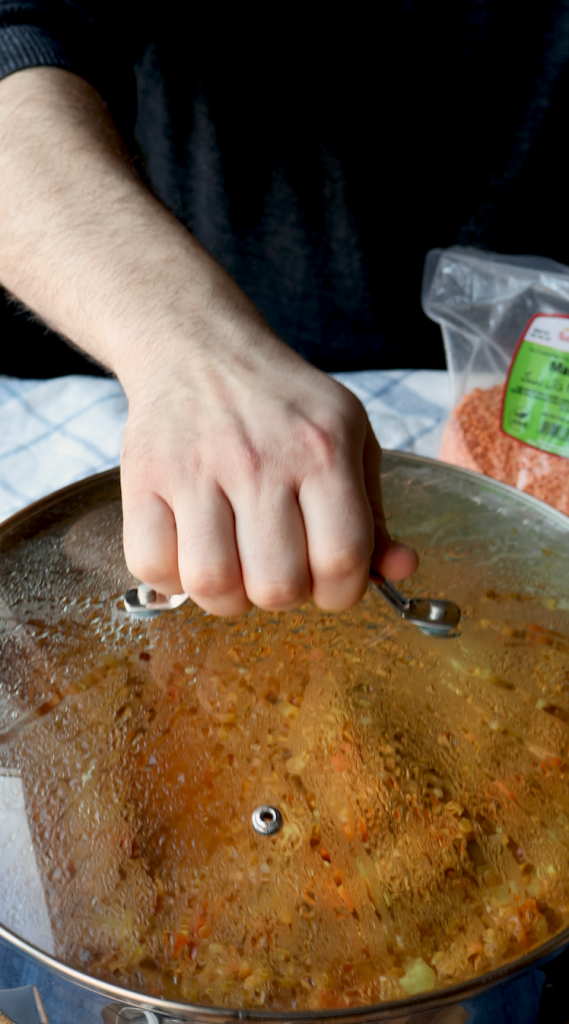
x=53, y=432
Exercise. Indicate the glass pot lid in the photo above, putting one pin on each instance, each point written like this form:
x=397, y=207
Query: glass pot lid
x=288, y=811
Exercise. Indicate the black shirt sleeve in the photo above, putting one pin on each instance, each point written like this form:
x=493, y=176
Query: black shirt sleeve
x=34, y=33
x=84, y=38
x=25, y=46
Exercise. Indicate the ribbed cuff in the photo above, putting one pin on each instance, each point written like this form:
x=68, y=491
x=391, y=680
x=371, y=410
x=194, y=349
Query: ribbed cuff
x=26, y=46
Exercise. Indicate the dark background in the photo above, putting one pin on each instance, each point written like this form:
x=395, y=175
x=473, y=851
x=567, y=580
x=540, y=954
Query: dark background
x=320, y=163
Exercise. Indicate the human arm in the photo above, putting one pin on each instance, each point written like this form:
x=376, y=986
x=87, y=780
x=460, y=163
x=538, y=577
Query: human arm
x=247, y=475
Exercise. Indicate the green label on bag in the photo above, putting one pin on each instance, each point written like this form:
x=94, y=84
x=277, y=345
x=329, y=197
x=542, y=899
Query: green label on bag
x=536, y=398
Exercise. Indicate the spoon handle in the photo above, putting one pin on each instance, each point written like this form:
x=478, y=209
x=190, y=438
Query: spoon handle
x=391, y=594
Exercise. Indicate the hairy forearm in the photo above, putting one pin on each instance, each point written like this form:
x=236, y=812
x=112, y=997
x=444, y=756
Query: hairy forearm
x=83, y=242
x=247, y=475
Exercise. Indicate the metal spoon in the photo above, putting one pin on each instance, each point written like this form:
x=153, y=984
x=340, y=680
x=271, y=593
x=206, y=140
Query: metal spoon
x=430, y=615
x=143, y=602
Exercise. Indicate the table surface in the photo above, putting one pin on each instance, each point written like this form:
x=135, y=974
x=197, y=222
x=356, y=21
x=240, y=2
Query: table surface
x=54, y=432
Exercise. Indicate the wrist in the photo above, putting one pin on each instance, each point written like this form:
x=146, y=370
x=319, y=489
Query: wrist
x=192, y=324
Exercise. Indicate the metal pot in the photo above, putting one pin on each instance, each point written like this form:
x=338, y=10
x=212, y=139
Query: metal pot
x=497, y=552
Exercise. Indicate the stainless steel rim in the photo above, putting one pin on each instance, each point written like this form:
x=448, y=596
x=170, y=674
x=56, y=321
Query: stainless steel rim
x=379, y=1011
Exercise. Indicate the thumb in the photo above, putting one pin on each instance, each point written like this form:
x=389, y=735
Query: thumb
x=391, y=558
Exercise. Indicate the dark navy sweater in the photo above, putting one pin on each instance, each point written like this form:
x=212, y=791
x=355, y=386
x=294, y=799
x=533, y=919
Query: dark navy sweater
x=319, y=158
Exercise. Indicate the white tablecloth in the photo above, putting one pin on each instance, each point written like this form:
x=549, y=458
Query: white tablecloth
x=53, y=432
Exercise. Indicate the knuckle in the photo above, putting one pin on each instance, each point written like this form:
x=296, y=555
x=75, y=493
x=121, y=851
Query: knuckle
x=352, y=408
x=278, y=596
x=348, y=408
x=322, y=443
x=235, y=604
x=342, y=563
x=160, y=571
x=207, y=583
x=338, y=600
x=235, y=451
x=249, y=457
x=332, y=437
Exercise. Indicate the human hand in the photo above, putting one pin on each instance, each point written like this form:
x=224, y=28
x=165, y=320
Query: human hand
x=250, y=477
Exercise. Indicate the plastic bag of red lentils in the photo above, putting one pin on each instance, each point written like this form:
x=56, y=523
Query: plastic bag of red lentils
x=505, y=325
